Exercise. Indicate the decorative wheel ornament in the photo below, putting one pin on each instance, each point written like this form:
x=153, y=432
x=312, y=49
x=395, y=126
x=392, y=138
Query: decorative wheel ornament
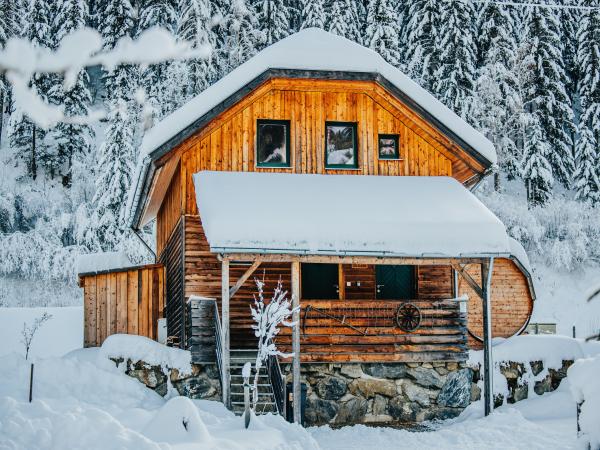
x=408, y=317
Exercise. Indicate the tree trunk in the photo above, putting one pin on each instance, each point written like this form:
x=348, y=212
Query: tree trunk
x=497, y=181
x=1, y=115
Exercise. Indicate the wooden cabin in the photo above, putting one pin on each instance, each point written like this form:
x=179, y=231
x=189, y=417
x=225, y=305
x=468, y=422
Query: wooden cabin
x=318, y=164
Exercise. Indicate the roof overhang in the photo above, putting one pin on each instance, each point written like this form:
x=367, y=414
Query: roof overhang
x=149, y=164
x=345, y=215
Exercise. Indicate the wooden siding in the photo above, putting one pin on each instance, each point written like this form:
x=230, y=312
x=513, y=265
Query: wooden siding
x=169, y=213
x=228, y=142
x=440, y=337
x=512, y=303
x=126, y=301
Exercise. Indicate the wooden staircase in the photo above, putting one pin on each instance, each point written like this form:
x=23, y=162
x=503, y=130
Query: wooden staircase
x=266, y=397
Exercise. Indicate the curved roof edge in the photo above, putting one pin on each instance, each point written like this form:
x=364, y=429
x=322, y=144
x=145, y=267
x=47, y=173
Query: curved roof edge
x=520, y=258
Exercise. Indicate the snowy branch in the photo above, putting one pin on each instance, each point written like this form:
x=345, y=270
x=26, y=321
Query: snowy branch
x=20, y=60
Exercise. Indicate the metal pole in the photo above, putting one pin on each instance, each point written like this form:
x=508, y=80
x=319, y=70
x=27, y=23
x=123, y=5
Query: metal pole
x=488, y=360
x=296, y=342
x=31, y=383
x=225, y=364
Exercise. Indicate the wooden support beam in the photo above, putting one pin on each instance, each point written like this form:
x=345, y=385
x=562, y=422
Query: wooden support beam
x=332, y=259
x=296, y=341
x=225, y=361
x=460, y=269
x=239, y=283
x=488, y=361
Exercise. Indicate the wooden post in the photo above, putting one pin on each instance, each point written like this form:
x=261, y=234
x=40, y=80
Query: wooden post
x=488, y=361
x=296, y=341
x=225, y=363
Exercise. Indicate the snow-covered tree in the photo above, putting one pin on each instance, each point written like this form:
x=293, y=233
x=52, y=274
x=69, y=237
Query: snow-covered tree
x=195, y=26
x=344, y=20
x=495, y=33
x=243, y=35
x=537, y=171
x=382, y=33
x=547, y=96
x=421, y=33
x=116, y=154
x=268, y=318
x=115, y=19
x=72, y=140
x=455, y=49
x=587, y=174
x=161, y=13
x=273, y=19
x=313, y=14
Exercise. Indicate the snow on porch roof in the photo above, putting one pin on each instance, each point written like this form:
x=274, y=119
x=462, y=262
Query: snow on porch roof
x=318, y=50
x=345, y=215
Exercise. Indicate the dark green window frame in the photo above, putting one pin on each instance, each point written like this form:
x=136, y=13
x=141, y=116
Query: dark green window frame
x=285, y=123
x=354, y=126
x=396, y=139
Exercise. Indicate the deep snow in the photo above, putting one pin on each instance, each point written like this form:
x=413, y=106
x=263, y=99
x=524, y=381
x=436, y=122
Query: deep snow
x=82, y=401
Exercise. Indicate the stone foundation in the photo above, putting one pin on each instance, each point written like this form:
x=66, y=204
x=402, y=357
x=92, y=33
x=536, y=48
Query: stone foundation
x=202, y=383
x=391, y=393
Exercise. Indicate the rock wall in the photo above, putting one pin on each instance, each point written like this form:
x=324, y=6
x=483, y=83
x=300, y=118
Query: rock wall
x=398, y=393
x=201, y=383
x=526, y=379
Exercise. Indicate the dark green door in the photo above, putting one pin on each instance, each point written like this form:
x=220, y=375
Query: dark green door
x=395, y=282
x=320, y=281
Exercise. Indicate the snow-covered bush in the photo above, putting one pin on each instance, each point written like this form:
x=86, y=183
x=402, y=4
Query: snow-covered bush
x=583, y=379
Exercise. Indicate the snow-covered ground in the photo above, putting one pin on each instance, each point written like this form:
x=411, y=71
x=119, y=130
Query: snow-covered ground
x=61, y=334
x=83, y=401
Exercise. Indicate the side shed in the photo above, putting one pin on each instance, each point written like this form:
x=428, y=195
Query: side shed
x=127, y=300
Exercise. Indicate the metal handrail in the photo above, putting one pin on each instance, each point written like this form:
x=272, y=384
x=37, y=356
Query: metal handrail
x=218, y=341
x=277, y=382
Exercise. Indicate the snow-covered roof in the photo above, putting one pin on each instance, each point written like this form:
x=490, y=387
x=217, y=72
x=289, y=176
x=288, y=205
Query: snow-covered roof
x=346, y=214
x=101, y=262
x=318, y=50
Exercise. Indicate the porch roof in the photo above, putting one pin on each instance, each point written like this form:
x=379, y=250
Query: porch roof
x=346, y=215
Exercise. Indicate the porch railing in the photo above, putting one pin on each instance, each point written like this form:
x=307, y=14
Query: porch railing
x=217, y=321
x=277, y=383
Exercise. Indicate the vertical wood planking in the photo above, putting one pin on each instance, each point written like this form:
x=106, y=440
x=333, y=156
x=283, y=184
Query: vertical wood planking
x=122, y=293
x=132, y=302
x=89, y=302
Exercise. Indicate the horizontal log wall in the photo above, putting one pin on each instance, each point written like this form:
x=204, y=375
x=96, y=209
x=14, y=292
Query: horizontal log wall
x=512, y=303
x=126, y=301
x=440, y=337
x=228, y=143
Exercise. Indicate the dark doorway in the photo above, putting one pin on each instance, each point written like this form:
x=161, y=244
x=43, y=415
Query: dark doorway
x=320, y=281
x=395, y=282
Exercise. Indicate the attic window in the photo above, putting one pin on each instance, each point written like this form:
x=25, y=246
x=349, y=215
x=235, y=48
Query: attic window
x=273, y=143
x=341, y=148
x=389, y=147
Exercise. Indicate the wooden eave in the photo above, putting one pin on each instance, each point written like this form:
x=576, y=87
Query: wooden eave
x=161, y=155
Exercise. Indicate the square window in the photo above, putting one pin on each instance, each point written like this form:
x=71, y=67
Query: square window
x=388, y=146
x=341, y=145
x=273, y=143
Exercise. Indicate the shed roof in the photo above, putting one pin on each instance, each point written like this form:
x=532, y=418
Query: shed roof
x=346, y=215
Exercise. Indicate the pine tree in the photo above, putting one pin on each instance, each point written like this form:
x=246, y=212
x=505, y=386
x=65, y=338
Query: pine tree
x=537, y=171
x=115, y=19
x=27, y=138
x=161, y=13
x=273, y=19
x=382, y=34
x=421, y=34
x=113, y=180
x=313, y=14
x=402, y=11
x=344, y=20
x=495, y=33
x=587, y=174
x=455, y=49
x=243, y=36
x=547, y=97
x=11, y=17
x=194, y=26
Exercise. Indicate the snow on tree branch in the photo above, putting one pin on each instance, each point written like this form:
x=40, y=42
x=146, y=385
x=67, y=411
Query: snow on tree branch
x=28, y=332
x=20, y=60
x=268, y=317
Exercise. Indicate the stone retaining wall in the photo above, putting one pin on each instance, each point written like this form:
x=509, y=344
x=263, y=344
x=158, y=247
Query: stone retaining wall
x=202, y=383
x=398, y=393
